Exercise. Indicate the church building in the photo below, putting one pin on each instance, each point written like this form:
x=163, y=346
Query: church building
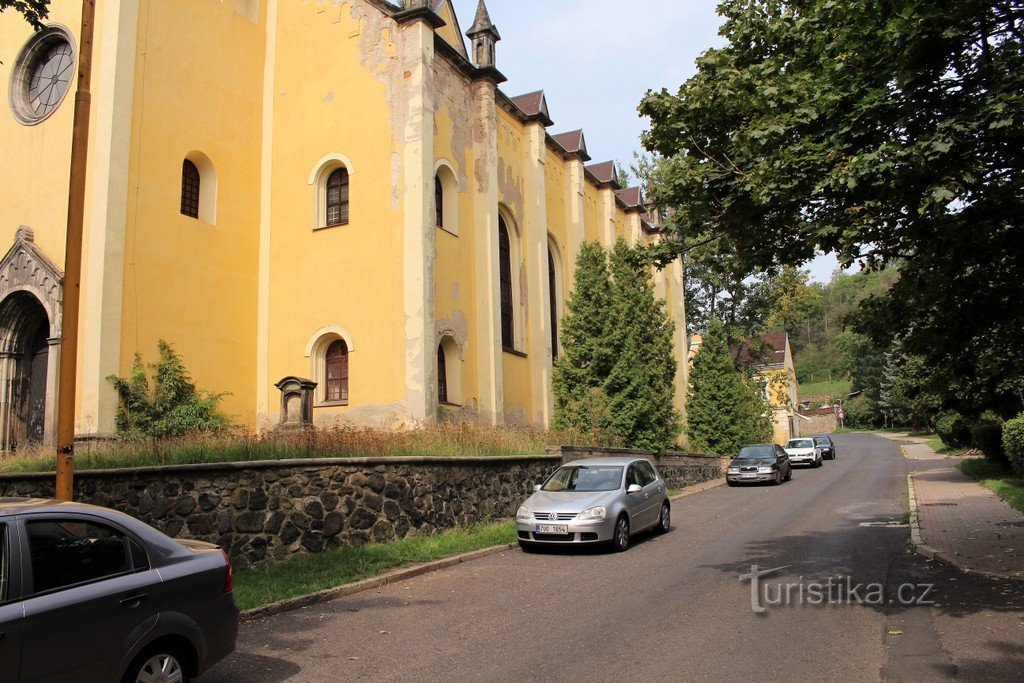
x=333, y=191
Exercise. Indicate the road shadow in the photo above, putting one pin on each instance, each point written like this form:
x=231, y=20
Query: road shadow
x=256, y=668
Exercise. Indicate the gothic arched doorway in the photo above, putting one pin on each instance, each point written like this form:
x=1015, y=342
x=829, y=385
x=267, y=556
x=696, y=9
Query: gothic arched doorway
x=24, y=370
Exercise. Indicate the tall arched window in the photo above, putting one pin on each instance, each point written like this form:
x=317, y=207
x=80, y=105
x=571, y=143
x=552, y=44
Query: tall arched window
x=442, y=376
x=337, y=197
x=189, y=189
x=553, y=300
x=336, y=363
x=508, y=329
x=439, y=201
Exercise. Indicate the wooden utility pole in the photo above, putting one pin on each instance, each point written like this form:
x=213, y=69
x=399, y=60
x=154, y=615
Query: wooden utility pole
x=73, y=262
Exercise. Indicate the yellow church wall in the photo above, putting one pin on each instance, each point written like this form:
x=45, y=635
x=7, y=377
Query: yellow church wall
x=42, y=152
x=348, y=276
x=188, y=281
x=591, y=214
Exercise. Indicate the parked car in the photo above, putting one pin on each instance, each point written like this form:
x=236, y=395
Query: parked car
x=759, y=463
x=90, y=594
x=803, y=452
x=602, y=500
x=825, y=446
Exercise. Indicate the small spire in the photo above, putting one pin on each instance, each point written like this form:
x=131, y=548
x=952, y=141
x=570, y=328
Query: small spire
x=482, y=23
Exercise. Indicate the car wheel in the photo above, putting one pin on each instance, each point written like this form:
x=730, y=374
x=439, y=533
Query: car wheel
x=818, y=462
x=789, y=474
x=620, y=542
x=665, y=521
x=163, y=662
x=778, y=478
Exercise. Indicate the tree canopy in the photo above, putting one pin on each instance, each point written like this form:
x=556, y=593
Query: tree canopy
x=882, y=131
x=34, y=11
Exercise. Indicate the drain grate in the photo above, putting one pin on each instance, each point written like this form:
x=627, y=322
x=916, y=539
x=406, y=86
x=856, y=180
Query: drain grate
x=888, y=524
x=928, y=505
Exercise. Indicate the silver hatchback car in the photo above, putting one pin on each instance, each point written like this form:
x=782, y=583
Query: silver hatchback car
x=602, y=500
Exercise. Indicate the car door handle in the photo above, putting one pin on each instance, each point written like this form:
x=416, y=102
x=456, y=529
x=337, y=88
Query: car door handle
x=134, y=600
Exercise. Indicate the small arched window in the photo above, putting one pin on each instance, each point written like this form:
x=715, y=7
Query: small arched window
x=337, y=197
x=442, y=376
x=508, y=329
x=439, y=201
x=553, y=299
x=190, y=185
x=336, y=362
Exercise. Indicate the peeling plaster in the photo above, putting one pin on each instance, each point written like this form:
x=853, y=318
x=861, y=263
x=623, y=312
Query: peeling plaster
x=455, y=326
x=510, y=184
x=454, y=91
x=387, y=416
x=456, y=292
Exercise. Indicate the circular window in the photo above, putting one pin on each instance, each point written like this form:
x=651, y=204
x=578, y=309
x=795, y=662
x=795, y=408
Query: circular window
x=42, y=75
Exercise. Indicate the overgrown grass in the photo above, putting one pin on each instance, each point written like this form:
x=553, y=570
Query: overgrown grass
x=350, y=442
x=835, y=390
x=311, y=573
x=998, y=477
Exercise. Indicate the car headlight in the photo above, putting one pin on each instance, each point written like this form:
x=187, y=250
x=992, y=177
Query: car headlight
x=765, y=470
x=734, y=470
x=596, y=512
x=523, y=512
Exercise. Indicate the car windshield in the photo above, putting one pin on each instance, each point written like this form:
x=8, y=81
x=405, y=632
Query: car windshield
x=822, y=441
x=800, y=443
x=757, y=452
x=582, y=478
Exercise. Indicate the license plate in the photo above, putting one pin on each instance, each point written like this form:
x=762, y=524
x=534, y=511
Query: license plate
x=750, y=475
x=551, y=528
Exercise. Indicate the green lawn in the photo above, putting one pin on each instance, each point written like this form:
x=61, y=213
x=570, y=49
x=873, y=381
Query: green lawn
x=998, y=477
x=311, y=573
x=837, y=390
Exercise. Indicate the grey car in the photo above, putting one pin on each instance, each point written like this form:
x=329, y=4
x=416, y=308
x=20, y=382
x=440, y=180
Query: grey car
x=602, y=500
x=90, y=594
x=762, y=462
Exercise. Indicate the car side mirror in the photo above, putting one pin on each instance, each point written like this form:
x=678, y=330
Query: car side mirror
x=536, y=487
x=634, y=488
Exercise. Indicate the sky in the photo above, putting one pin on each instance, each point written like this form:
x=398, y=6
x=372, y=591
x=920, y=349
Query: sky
x=595, y=60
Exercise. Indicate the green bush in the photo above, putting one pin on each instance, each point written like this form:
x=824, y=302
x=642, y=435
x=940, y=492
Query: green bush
x=988, y=438
x=861, y=413
x=1013, y=443
x=953, y=428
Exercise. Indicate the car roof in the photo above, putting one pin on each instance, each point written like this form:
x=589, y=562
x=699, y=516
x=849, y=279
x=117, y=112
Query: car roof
x=17, y=506
x=612, y=462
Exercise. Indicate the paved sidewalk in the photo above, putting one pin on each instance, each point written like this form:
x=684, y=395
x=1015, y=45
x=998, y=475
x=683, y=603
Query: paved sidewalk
x=960, y=522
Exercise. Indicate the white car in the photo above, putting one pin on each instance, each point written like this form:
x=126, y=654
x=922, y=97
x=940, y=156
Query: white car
x=803, y=452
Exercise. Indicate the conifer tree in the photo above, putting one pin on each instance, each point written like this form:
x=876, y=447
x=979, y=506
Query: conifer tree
x=586, y=359
x=640, y=386
x=724, y=409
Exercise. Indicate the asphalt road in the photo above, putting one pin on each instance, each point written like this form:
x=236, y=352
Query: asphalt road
x=673, y=606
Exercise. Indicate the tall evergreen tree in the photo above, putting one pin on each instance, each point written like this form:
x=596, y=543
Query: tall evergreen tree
x=640, y=386
x=724, y=410
x=587, y=357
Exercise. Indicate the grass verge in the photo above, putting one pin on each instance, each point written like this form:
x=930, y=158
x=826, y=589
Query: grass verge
x=834, y=390
x=998, y=477
x=311, y=573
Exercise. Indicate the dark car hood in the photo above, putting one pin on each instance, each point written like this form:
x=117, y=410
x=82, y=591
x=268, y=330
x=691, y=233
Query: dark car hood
x=751, y=462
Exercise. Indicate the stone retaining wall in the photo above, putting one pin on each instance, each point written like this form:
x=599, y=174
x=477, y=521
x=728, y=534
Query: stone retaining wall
x=263, y=511
x=678, y=469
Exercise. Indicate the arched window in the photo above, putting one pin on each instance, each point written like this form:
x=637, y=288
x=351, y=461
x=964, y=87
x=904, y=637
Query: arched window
x=442, y=376
x=553, y=299
x=337, y=198
x=190, y=185
x=508, y=329
x=439, y=201
x=336, y=363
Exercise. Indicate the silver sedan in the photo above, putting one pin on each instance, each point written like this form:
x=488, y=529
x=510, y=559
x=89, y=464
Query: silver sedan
x=602, y=500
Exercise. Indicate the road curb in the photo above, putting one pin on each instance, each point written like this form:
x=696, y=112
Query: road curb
x=927, y=551
x=289, y=604
x=698, y=488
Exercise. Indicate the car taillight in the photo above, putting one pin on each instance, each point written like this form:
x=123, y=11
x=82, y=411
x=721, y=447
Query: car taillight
x=229, y=577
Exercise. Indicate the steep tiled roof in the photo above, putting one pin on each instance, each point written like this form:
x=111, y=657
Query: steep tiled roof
x=773, y=355
x=630, y=197
x=603, y=172
x=571, y=142
x=534, y=104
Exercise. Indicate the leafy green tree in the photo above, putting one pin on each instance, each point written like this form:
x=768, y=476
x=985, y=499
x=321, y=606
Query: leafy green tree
x=640, y=386
x=173, y=407
x=724, y=410
x=885, y=132
x=587, y=355
x=34, y=11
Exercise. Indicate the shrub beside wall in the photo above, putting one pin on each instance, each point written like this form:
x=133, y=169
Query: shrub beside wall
x=954, y=429
x=1013, y=443
x=988, y=438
